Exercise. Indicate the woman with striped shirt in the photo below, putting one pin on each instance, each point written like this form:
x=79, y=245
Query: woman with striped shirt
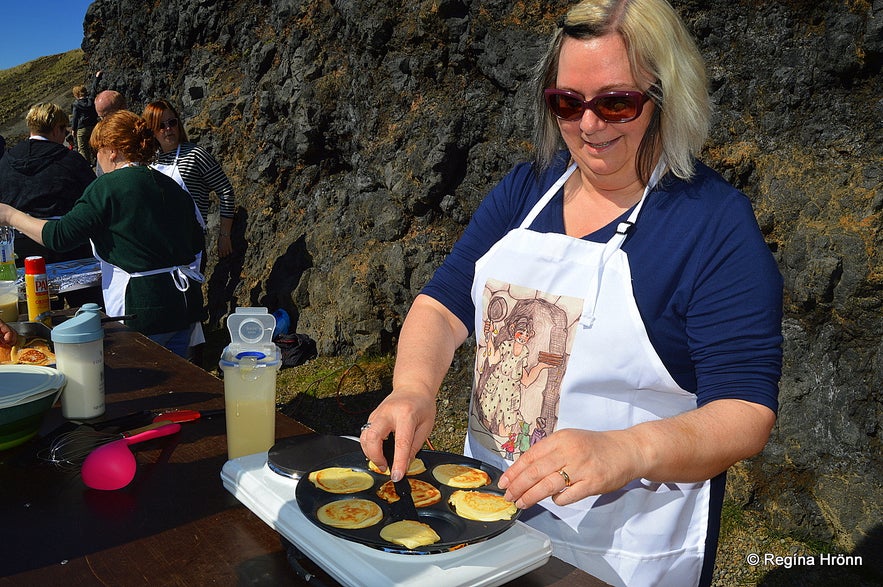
x=193, y=167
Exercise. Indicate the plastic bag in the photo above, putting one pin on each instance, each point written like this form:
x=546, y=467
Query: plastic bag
x=296, y=349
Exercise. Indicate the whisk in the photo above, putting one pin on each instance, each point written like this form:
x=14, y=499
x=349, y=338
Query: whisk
x=70, y=449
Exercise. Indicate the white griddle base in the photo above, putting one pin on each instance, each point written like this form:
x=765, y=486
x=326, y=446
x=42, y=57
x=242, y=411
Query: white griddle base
x=517, y=551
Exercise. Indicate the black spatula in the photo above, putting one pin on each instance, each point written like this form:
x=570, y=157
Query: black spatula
x=403, y=509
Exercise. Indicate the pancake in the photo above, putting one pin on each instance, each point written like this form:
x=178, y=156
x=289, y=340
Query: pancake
x=414, y=468
x=350, y=514
x=34, y=352
x=409, y=533
x=481, y=506
x=341, y=480
x=423, y=493
x=5, y=354
x=461, y=476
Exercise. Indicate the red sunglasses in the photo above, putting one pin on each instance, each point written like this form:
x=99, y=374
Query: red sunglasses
x=609, y=106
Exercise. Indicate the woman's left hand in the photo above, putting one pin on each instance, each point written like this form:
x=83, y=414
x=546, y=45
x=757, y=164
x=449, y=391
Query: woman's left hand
x=687, y=448
x=570, y=465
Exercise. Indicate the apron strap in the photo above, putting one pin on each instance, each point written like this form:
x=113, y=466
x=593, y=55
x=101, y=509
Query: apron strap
x=550, y=193
x=181, y=275
x=587, y=318
x=172, y=171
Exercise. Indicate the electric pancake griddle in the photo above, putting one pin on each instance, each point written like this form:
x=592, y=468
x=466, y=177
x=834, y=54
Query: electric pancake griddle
x=266, y=483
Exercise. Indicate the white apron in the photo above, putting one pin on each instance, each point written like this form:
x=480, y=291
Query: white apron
x=198, y=336
x=115, y=281
x=571, y=298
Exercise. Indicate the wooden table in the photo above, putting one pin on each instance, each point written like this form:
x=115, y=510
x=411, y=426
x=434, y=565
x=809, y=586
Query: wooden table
x=175, y=524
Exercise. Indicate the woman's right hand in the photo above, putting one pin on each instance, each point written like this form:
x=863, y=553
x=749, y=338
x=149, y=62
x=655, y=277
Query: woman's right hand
x=410, y=415
x=8, y=336
x=429, y=336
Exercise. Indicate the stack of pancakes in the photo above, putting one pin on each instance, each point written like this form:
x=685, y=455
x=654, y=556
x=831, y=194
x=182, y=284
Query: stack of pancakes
x=32, y=352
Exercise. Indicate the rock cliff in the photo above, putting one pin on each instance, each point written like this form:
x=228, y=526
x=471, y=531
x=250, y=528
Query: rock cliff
x=361, y=134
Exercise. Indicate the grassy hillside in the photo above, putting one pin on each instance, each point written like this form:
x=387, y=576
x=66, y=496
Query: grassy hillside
x=47, y=79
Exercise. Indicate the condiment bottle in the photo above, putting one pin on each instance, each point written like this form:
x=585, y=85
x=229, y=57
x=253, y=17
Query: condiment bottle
x=36, y=288
x=79, y=355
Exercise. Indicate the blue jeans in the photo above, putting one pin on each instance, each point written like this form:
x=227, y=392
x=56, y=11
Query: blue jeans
x=178, y=342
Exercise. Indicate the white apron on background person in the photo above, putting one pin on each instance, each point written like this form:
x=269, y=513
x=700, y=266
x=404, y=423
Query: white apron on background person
x=115, y=282
x=198, y=336
x=574, y=298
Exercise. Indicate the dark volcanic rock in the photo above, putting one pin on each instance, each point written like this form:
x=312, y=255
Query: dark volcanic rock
x=360, y=135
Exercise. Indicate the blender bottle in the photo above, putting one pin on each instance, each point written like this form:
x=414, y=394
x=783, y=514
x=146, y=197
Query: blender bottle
x=250, y=363
x=79, y=354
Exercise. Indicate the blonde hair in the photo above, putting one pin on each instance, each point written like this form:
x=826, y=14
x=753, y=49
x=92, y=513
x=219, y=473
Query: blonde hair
x=658, y=46
x=43, y=118
x=126, y=132
x=79, y=91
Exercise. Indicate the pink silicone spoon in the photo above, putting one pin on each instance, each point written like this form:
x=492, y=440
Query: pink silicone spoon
x=112, y=466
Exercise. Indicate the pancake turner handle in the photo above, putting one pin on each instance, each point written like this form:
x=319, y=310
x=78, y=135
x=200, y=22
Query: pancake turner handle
x=403, y=509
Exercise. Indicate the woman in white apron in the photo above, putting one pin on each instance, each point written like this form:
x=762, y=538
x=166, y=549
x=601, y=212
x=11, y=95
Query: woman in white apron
x=142, y=229
x=179, y=158
x=658, y=366
x=197, y=337
x=193, y=167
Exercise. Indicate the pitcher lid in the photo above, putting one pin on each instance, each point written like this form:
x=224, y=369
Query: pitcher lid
x=251, y=327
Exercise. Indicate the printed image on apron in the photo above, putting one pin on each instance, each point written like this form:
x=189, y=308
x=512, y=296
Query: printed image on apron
x=520, y=361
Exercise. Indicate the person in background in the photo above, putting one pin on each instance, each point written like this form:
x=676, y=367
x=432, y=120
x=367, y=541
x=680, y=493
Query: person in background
x=193, y=167
x=108, y=102
x=143, y=230
x=649, y=284
x=198, y=172
x=83, y=120
x=43, y=178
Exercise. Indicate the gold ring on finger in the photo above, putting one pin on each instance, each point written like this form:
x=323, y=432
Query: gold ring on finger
x=566, y=477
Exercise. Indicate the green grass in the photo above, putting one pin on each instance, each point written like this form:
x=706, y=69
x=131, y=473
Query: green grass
x=334, y=395
x=732, y=518
x=45, y=79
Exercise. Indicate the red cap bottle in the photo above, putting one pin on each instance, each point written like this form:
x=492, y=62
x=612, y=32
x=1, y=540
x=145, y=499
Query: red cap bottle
x=37, y=288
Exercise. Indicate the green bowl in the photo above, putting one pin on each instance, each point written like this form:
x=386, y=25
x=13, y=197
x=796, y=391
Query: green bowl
x=21, y=422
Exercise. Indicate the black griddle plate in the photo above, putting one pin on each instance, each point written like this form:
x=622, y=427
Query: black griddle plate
x=454, y=531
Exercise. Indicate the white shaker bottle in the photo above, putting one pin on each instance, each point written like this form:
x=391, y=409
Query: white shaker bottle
x=79, y=355
x=250, y=363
